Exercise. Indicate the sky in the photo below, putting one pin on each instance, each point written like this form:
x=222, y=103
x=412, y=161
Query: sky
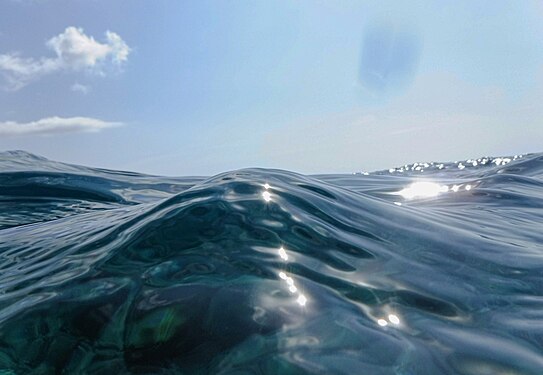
x=202, y=87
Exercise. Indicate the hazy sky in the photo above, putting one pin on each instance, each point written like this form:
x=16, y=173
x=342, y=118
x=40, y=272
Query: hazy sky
x=201, y=87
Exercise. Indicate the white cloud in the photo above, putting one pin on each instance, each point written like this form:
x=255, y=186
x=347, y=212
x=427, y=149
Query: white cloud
x=119, y=49
x=55, y=125
x=75, y=51
x=78, y=87
x=79, y=51
x=19, y=71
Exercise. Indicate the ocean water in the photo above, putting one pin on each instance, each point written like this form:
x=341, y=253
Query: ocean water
x=430, y=268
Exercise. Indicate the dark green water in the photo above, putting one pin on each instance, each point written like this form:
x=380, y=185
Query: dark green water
x=271, y=272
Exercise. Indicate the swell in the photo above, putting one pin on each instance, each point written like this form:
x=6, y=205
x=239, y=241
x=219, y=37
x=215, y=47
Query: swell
x=208, y=275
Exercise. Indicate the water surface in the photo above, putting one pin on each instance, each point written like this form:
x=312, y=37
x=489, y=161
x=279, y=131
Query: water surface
x=429, y=268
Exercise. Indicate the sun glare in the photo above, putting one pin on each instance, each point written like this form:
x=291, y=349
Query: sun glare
x=423, y=189
x=267, y=196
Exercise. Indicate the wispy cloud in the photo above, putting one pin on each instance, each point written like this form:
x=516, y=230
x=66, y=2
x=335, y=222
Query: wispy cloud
x=77, y=87
x=75, y=51
x=55, y=125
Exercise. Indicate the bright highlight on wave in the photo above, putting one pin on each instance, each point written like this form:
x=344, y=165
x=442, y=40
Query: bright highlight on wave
x=301, y=299
x=392, y=318
x=423, y=189
x=266, y=195
x=283, y=253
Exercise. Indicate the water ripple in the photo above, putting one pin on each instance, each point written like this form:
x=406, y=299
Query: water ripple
x=429, y=268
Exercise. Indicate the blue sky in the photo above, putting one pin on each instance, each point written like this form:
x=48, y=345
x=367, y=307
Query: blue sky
x=201, y=87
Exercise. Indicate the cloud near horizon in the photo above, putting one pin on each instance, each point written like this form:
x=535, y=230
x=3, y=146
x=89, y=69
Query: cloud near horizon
x=55, y=125
x=75, y=51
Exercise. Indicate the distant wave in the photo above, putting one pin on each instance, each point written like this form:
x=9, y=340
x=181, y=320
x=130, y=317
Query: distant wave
x=428, y=268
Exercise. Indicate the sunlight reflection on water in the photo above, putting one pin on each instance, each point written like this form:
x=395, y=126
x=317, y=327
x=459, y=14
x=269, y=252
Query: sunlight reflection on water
x=423, y=189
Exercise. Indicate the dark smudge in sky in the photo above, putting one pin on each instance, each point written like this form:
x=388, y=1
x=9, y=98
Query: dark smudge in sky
x=389, y=58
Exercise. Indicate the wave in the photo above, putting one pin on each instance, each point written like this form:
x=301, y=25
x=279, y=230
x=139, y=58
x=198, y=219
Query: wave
x=433, y=268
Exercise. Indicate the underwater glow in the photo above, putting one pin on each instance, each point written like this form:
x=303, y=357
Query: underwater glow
x=423, y=189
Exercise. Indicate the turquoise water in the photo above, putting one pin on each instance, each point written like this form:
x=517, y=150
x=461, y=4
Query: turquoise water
x=430, y=268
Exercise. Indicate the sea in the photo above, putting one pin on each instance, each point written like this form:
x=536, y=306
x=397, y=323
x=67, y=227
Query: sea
x=425, y=268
